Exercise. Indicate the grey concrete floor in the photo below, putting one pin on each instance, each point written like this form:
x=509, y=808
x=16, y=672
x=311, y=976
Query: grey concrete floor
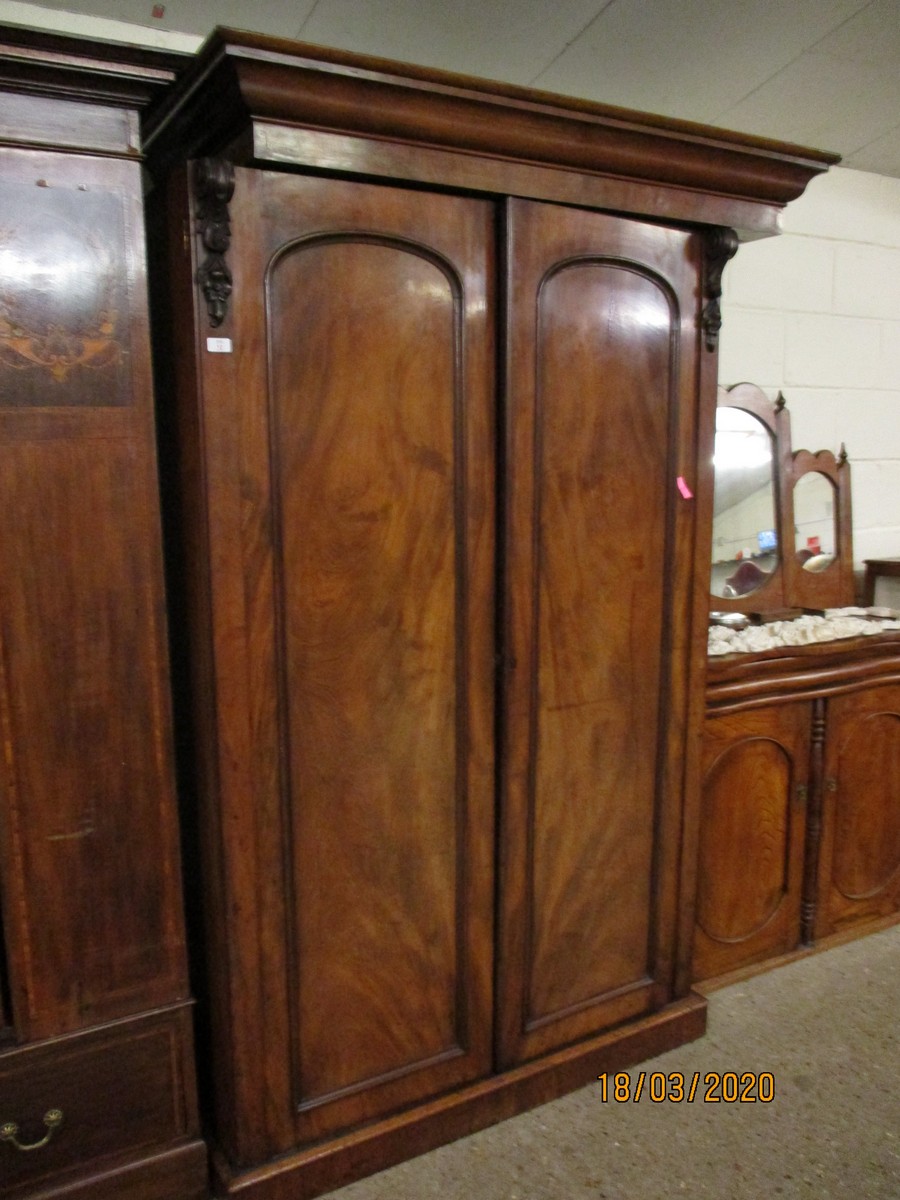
x=825, y=1027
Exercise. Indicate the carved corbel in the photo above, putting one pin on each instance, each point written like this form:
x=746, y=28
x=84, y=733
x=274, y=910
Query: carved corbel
x=214, y=187
x=721, y=246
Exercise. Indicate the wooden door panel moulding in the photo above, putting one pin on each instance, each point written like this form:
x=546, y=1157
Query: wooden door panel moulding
x=342, y=530
x=766, y=818
x=860, y=783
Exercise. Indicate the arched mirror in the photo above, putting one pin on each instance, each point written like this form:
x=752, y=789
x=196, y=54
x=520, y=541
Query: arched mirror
x=781, y=537
x=745, y=530
x=820, y=574
x=815, y=535
x=748, y=508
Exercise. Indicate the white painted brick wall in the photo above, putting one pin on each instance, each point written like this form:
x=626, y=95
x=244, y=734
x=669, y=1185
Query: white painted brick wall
x=815, y=313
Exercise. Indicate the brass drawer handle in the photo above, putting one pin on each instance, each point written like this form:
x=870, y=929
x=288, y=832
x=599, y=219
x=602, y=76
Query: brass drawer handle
x=9, y=1131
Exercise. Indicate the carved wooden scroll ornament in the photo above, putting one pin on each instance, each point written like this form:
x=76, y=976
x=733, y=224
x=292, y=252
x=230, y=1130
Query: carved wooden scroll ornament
x=721, y=245
x=214, y=185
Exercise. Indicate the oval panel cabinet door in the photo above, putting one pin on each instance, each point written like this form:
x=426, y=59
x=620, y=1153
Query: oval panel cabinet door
x=750, y=870
x=859, y=867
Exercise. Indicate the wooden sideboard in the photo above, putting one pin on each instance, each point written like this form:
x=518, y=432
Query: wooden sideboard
x=800, y=827
x=438, y=359
x=97, y=1094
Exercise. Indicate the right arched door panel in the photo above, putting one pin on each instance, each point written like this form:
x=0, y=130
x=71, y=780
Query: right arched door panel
x=859, y=867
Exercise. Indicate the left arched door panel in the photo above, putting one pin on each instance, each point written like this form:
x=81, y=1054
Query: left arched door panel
x=750, y=873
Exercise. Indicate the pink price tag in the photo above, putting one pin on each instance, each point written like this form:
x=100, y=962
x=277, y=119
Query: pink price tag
x=684, y=489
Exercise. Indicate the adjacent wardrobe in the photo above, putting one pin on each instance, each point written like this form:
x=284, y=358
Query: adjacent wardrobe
x=97, y=1091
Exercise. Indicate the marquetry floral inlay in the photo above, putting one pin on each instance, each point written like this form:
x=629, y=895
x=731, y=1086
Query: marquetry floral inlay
x=57, y=350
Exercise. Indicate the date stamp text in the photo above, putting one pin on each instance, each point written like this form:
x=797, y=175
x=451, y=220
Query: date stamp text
x=711, y=1087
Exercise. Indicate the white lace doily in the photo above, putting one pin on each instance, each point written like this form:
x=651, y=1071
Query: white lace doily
x=802, y=631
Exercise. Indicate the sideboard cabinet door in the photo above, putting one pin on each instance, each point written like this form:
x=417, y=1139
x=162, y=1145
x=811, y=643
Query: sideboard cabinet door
x=346, y=553
x=602, y=396
x=859, y=862
x=753, y=821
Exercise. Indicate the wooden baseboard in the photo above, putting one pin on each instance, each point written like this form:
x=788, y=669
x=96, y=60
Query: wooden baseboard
x=851, y=934
x=321, y=1168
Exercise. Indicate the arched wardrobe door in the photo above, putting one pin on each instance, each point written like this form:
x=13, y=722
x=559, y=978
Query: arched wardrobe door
x=601, y=403
x=345, y=558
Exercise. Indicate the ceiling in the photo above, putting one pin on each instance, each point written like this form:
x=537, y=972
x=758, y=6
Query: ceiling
x=824, y=73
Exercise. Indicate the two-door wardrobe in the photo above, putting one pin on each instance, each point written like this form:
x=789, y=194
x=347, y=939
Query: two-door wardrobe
x=440, y=361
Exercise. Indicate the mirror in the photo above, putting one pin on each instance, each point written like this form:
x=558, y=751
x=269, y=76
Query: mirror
x=782, y=528
x=745, y=538
x=820, y=570
x=814, y=521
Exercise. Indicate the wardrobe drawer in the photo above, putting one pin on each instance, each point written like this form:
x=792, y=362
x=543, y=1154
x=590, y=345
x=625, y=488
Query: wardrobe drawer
x=120, y=1093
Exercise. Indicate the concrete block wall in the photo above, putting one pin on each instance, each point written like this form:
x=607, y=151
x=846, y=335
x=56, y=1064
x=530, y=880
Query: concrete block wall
x=815, y=313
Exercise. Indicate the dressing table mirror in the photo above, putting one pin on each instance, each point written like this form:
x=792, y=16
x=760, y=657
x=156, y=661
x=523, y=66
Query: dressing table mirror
x=747, y=545
x=819, y=573
x=781, y=521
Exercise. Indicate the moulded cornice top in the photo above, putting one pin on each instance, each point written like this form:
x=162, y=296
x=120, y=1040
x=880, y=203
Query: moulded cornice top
x=35, y=62
x=240, y=79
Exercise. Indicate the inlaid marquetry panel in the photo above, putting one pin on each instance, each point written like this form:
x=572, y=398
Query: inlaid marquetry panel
x=93, y=923
x=64, y=294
